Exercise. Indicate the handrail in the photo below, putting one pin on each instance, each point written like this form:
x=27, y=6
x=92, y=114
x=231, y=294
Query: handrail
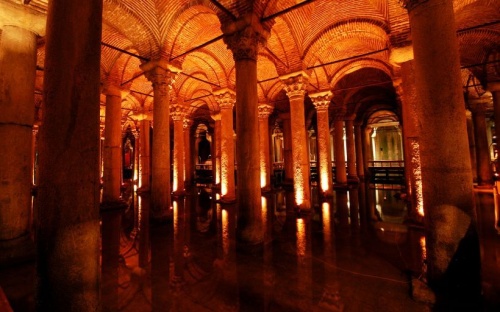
x=386, y=163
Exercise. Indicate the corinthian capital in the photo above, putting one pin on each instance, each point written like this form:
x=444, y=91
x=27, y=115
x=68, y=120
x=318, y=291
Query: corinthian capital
x=225, y=98
x=177, y=111
x=321, y=100
x=265, y=110
x=295, y=84
x=244, y=36
x=161, y=74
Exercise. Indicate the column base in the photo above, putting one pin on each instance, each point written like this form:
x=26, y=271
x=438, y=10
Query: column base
x=113, y=205
x=14, y=251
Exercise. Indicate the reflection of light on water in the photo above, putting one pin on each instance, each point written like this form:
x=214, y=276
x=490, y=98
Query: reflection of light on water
x=176, y=217
x=225, y=232
x=139, y=212
x=264, y=210
x=217, y=196
x=301, y=237
x=326, y=221
x=423, y=248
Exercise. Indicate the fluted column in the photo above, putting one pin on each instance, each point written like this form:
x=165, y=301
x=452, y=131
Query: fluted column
x=244, y=37
x=226, y=98
x=162, y=75
x=446, y=171
x=217, y=146
x=478, y=108
x=351, y=149
x=265, y=162
x=17, y=115
x=340, y=170
x=68, y=235
x=321, y=102
x=112, y=155
x=358, y=141
x=188, y=163
x=177, y=112
x=295, y=87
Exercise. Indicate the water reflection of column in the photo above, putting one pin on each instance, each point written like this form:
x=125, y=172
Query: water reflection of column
x=363, y=207
x=110, y=231
x=342, y=212
x=287, y=147
x=330, y=299
x=161, y=243
x=304, y=262
x=143, y=207
x=268, y=274
x=354, y=209
x=178, y=241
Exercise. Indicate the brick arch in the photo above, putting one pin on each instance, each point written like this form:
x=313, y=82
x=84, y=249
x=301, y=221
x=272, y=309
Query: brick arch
x=359, y=64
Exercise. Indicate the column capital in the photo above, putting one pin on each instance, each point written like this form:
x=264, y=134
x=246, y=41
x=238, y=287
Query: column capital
x=321, y=100
x=479, y=105
x=177, y=112
x=187, y=122
x=161, y=74
x=265, y=110
x=216, y=116
x=401, y=55
x=295, y=84
x=112, y=88
x=244, y=36
x=411, y=4
x=226, y=98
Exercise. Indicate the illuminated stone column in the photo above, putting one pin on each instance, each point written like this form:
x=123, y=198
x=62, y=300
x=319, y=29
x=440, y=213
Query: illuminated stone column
x=188, y=163
x=472, y=143
x=494, y=88
x=358, y=141
x=351, y=149
x=144, y=156
x=446, y=170
x=265, y=162
x=295, y=87
x=217, y=146
x=162, y=75
x=287, y=147
x=321, y=102
x=177, y=112
x=17, y=115
x=244, y=37
x=340, y=170
x=226, y=99
x=68, y=231
x=112, y=152
x=478, y=108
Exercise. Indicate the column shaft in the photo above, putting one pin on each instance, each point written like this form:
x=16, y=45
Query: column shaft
x=351, y=150
x=17, y=103
x=217, y=147
x=177, y=113
x=112, y=147
x=358, y=141
x=340, y=170
x=325, y=157
x=68, y=235
x=287, y=147
x=227, y=154
x=446, y=171
x=145, y=158
x=264, y=150
x=188, y=163
x=484, y=173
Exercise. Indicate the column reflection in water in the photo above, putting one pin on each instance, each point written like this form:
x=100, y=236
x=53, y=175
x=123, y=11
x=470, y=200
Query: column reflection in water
x=330, y=298
x=143, y=207
x=110, y=230
x=354, y=216
x=363, y=207
x=342, y=212
x=304, y=262
x=178, y=241
x=161, y=234
x=269, y=276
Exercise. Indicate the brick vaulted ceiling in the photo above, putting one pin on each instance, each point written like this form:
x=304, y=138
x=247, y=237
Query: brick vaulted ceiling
x=322, y=37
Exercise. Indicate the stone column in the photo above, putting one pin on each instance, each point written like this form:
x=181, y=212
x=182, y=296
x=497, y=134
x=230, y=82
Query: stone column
x=472, y=143
x=494, y=88
x=446, y=172
x=177, y=112
x=321, y=102
x=188, y=163
x=68, y=234
x=217, y=146
x=265, y=162
x=295, y=87
x=340, y=170
x=287, y=147
x=17, y=115
x=478, y=108
x=243, y=37
x=226, y=98
x=358, y=141
x=162, y=76
x=144, y=156
x=351, y=149
x=112, y=152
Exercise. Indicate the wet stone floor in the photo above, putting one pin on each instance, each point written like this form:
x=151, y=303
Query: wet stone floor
x=352, y=252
